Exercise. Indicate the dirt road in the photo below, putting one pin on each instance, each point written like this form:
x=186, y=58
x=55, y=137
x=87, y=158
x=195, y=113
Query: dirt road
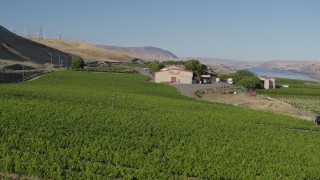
x=257, y=102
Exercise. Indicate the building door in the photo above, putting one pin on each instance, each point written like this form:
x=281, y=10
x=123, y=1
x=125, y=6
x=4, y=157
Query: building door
x=173, y=79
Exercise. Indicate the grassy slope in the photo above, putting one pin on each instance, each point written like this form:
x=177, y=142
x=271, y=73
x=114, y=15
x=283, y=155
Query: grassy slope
x=86, y=51
x=98, y=125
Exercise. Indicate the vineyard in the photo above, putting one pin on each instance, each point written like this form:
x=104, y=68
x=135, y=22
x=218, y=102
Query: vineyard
x=84, y=125
x=112, y=69
x=304, y=95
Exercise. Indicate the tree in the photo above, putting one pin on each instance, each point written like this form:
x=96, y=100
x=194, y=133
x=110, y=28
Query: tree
x=155, y=66
x=250, y=82
x=245, y=72
x=77, y=63
x=193, y=65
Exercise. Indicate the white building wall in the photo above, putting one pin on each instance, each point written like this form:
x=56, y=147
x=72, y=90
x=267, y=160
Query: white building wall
x=186, y=79
x=266, y=84
x=183, y=77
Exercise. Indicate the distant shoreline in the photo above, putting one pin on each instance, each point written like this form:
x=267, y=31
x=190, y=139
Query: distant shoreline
x=284, y=74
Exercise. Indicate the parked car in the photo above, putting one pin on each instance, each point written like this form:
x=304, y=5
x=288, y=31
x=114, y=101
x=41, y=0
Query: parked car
x=230, y=81
x=317, y=120
x=206, y=81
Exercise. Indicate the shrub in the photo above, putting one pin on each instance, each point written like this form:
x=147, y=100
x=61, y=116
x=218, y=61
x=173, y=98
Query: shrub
x=223, y=77
x=77, y=63
x=245, y=72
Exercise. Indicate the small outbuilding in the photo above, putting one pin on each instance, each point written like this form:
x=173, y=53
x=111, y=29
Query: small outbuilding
x=268, y=82
x=173, y=74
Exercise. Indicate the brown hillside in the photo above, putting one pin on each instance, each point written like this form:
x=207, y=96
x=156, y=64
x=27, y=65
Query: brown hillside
x=17, y=48
x=150, y=53
x=86, y=51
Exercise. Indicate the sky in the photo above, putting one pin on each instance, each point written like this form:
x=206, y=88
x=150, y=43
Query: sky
x=256, y=30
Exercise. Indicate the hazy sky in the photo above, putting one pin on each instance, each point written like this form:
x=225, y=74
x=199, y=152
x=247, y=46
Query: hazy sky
x=234, y=29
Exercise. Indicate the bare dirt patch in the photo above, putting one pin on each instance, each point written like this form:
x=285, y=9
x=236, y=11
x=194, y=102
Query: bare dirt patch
x=16, y=176
x=257, y=102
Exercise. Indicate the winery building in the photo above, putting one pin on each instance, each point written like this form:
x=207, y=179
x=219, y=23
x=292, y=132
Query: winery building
x=173, y=74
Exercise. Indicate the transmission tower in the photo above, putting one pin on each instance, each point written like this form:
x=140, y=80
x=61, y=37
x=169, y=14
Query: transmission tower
x=40, y=34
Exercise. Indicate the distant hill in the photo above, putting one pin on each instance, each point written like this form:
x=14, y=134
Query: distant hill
x=308, y=67
x=87, y=51
x=14, y=47
x=229, y=62
x=149, y=53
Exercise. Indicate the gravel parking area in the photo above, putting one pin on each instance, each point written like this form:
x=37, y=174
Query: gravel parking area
x=190, y=89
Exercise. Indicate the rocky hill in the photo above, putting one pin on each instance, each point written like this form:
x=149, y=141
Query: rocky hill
x=148, y=53
x=17, y=48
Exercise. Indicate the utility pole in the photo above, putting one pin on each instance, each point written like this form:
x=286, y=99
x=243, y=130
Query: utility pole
x=65, y=57
x=51, y=57
x=40, y=33
x=13, y=30
x=22, y=72
x=59, y=60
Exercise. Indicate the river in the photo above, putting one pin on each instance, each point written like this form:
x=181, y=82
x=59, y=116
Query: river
x=281, y=74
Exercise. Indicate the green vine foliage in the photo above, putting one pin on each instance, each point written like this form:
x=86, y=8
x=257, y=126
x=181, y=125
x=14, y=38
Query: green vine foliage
x=84, y=125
